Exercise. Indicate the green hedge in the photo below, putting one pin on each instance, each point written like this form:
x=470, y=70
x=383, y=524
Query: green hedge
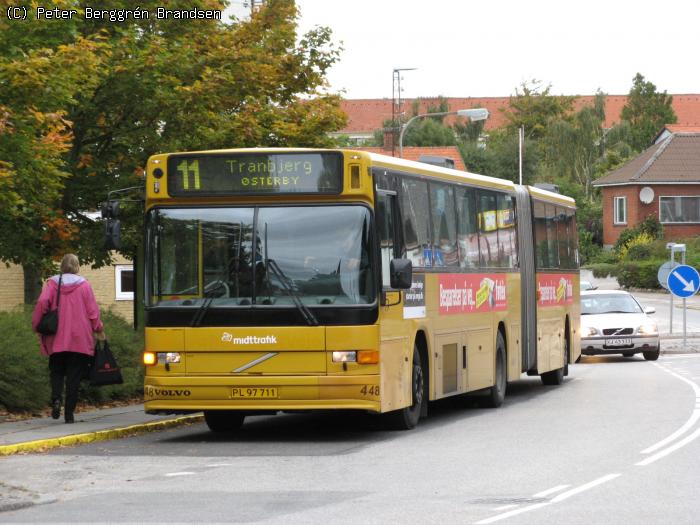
x=603, y=270
x=642, y=274
x=24, y=372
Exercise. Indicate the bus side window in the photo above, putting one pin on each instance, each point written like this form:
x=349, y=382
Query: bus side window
x=563, y=236
x=507, y=245
x=573, y=238
x=550, y=211
x=444, y=220
x=488, y=230
x=541, y=247
x=385, y=227
x=416, y=222
x=467, y=237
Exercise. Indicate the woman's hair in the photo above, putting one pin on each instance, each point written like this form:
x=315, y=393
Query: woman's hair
x=70, y=263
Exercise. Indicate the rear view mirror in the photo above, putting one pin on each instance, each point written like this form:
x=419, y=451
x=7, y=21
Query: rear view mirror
x=401, y=274
x=110, y=209
x=113, y=234
x=649, y=310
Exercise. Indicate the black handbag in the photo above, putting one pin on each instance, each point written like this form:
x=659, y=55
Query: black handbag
x=48, y=324
x=104, y=370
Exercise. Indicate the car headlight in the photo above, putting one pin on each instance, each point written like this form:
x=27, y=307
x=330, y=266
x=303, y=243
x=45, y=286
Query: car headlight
x=649, y=328
x=588, y=331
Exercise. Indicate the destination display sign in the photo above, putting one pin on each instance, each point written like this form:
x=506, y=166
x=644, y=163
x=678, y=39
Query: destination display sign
x=254, y=173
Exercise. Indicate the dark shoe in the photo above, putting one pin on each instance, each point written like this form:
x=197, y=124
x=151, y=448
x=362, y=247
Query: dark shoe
x=56, y=408
x=70, y=418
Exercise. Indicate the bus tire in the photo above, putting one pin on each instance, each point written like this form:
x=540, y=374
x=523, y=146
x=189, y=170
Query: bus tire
x=223, y=420
x=556, y=377
x=408, y=417
x=497, y=393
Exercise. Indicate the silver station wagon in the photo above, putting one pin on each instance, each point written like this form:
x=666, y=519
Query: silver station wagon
x=613, y=322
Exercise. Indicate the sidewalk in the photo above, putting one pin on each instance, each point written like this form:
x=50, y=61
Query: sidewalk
x=40, y=434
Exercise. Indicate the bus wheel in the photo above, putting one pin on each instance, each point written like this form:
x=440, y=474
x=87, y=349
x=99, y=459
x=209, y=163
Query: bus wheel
x=497, y=392
x=223, y=420
x=407, y=418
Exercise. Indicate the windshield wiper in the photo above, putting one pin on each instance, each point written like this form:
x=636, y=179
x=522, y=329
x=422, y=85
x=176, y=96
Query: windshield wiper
x=286, y=282
x=204, y=307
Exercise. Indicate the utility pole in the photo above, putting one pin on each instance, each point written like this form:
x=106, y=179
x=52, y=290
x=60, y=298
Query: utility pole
x=254, y=5
x=396, y=106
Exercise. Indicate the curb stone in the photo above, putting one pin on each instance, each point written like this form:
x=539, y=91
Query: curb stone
x=42, y=445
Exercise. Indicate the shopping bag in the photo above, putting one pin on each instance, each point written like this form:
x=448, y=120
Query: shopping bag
x=104, y=370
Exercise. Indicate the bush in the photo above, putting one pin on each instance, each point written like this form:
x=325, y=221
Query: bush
x=649, y=226
x=605, y=256
x=640, y=244
x=603, y=270
x=24, y=372
x=642, y=274
x=638, y=252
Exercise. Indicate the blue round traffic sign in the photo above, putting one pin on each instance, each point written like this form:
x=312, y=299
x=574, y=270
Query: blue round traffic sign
x=683, y=281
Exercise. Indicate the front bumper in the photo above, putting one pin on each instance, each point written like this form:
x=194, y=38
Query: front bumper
x=598, y=346
x=190, y=394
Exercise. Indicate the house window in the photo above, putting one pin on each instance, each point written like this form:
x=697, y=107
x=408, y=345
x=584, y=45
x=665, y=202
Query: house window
x=679, y=209
x=620, y=207
x=124, y=282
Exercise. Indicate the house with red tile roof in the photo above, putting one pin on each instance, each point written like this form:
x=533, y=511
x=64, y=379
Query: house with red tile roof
x=669, y=129
x=663, y=181
x=365, y=116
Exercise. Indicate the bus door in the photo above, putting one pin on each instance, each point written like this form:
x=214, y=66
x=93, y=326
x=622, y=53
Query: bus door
x=395, y=348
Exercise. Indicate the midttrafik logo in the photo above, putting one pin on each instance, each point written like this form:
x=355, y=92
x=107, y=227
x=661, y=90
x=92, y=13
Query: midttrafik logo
x=249, y=339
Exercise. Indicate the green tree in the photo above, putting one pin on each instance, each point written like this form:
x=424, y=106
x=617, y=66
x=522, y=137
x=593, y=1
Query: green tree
x=430, y=131
x=647, y=112
x=572, y=144
x=96, y=98
x=533, y=107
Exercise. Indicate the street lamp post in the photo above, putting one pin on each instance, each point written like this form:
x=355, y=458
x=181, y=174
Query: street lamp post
x=472, y=114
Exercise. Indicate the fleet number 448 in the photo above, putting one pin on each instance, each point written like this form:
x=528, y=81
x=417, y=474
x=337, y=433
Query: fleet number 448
x=370, y=389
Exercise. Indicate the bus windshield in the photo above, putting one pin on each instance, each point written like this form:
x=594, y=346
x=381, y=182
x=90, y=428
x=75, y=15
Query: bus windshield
x=257, y=256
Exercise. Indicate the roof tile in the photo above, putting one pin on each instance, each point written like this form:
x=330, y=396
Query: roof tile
x=675, y=159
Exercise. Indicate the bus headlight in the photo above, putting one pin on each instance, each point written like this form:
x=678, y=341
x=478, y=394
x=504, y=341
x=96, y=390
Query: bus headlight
x=153, y=358
x=345, y=357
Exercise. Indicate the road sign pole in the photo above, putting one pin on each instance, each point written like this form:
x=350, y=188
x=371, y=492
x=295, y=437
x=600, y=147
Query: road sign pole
x=684, y=311
x=671, y=295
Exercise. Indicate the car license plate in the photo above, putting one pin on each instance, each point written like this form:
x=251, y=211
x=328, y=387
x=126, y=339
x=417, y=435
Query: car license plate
x=246, y=392
x=618, y=342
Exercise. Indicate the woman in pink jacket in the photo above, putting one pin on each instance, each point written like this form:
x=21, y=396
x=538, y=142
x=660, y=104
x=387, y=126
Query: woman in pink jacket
x=71, y=348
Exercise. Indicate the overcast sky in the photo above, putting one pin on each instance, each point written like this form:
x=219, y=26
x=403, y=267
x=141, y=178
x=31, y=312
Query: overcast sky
x=468, y=48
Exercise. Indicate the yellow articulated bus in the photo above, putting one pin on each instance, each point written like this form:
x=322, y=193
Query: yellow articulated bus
x=305, y=279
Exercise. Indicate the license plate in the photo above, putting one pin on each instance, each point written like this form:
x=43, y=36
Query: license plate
x=618, y=342
x=245, y=392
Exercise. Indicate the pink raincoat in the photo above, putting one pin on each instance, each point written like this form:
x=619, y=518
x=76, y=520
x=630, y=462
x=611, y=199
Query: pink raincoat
x=78, y=315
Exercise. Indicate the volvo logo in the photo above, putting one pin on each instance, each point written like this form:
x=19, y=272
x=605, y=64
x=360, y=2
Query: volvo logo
x=151, y=391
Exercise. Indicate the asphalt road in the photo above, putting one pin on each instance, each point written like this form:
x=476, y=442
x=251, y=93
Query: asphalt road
x=615, y=444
